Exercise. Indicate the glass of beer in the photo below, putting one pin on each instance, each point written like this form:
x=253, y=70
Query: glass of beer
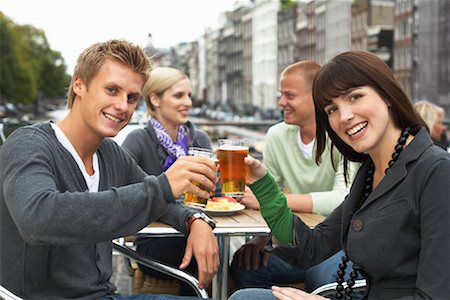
x=231, y=154
x=190, y=198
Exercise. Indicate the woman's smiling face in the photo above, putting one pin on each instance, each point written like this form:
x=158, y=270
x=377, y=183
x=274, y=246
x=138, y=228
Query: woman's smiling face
x=174, y=104
x=361, y=118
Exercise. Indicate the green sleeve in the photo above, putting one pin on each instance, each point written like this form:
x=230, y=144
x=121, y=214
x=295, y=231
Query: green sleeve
x=274, y=208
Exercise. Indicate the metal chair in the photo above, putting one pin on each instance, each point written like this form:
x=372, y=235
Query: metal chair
x=330, y=288
x=2, y=133
x=120, y=246
x=7, y=295
x=126, y=251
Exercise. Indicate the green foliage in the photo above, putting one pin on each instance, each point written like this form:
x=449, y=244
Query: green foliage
x=286, y=4
x=11, y=70
x=54, y=83
x=29, y=69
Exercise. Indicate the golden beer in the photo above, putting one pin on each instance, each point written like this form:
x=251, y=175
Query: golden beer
x=232, y=167
x=190, y=198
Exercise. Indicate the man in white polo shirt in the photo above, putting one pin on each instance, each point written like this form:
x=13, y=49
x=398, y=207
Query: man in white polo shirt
x=289, y=157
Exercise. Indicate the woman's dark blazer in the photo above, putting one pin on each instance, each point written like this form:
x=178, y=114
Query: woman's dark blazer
x=400, y=236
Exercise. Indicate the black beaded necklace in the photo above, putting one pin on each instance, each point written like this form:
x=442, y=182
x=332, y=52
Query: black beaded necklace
x=367, y=190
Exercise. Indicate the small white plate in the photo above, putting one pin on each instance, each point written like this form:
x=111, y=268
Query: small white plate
x=220, y=212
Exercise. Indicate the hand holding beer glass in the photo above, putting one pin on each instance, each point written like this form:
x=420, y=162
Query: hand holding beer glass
x=231, y=154
x=190, y=198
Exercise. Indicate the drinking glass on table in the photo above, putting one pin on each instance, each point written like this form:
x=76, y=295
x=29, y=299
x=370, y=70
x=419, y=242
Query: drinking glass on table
x=190, y=198
x=231, y=154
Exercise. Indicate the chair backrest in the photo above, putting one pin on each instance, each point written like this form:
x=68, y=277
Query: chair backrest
x=7, y=295
x=330, y=289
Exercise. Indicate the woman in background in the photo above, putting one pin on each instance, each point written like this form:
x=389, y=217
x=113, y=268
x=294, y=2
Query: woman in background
x=433, y=115
x=167, y=136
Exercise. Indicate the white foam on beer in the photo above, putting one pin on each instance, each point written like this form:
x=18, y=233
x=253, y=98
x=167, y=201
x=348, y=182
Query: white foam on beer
x=232, y=147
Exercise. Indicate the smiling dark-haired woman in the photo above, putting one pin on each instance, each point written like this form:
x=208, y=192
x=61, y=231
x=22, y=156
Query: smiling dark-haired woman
x=394, y=224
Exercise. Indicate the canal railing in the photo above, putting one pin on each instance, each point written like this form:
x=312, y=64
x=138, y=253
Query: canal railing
x=252, y=131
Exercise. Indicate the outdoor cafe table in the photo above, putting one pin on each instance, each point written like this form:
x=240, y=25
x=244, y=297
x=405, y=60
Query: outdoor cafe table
x=247, y=222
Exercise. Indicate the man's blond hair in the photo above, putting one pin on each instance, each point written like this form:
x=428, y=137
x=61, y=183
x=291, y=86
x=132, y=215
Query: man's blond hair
x=306, y=68
x=92, y=59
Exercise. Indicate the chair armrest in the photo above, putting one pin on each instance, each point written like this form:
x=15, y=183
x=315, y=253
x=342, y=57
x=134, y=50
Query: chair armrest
x=160, y=267
x=330, y=288
x=7, y=295
x=2, y=134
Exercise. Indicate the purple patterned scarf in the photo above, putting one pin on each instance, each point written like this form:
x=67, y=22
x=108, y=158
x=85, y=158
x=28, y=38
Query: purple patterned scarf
x=174, y=149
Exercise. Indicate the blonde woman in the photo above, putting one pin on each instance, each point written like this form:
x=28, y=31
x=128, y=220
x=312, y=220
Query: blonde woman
x=167, y=136
x=433, y=115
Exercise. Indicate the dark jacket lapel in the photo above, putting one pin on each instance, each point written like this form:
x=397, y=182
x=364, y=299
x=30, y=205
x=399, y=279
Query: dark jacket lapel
x=395, y=175
x=398, y=171
x=353, y=199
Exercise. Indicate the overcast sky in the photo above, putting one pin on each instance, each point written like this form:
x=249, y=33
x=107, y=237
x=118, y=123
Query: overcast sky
x=73, y=25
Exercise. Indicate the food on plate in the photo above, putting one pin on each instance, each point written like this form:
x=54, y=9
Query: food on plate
x=222, y=203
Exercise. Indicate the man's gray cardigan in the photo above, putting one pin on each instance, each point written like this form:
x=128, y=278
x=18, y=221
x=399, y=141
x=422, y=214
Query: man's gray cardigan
x=55, y=236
